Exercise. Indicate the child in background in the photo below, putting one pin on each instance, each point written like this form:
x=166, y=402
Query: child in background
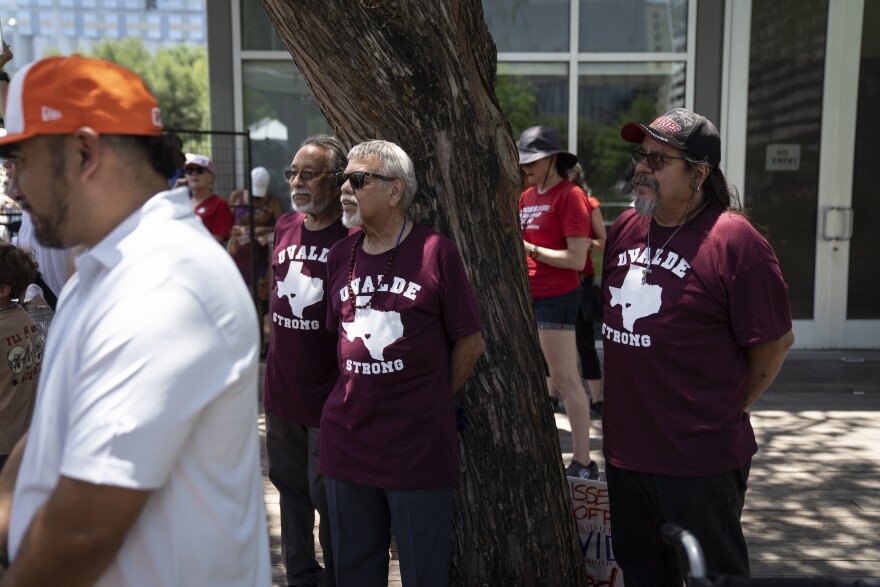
x=22, y=346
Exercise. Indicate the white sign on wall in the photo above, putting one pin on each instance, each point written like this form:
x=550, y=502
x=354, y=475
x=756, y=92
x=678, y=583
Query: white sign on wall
x=783, y=157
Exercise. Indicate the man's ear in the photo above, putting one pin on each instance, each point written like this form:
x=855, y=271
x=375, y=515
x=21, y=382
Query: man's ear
x=5, y=291
x=397, y=190
x=88, y=151
x=699, y=175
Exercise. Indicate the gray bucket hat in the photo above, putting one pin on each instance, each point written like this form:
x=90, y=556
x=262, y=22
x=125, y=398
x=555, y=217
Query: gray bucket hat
x=538, y=142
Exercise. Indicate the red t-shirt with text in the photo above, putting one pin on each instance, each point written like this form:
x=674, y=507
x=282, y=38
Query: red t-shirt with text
x=546, y=220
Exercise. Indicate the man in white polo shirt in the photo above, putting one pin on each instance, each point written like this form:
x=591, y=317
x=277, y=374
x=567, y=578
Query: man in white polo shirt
x=141, y=467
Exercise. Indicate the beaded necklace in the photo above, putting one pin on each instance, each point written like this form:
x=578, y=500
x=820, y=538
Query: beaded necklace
x=358, y=242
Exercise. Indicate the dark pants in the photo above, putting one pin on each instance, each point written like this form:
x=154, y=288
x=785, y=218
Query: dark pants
x=362, y=517
x=292, y=452
x=709, y=507
x=584, y=335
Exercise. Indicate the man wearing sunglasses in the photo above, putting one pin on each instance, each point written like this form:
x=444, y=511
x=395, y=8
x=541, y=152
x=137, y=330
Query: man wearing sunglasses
x=409, y=337
x=301, y=366
x=697, y=324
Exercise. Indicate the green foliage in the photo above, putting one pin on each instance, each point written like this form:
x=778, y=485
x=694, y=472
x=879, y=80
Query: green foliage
x=518, y=99
x=604, y=155
x=177, y=76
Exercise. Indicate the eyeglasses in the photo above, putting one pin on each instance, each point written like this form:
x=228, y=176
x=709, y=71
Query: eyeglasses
x=356, y=178
x=194, y=170
x=304, y=174
x=655, y=161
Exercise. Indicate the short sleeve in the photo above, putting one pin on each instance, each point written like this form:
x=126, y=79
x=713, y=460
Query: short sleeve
x=139, y=391
x=574, y=214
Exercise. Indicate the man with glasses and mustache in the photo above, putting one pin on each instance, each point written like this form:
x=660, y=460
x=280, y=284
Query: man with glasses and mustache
x=301, y=366
x=409, y=337
x=697, y=324
x=141, y=464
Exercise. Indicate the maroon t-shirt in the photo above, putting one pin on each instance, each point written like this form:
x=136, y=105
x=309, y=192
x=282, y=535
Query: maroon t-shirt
x=301, y=365
x=546, y=220
x=675, y=347
x=389, y=421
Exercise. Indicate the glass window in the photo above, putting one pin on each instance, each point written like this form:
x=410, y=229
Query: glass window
x=154, y=26
x=257, y=31
x=68, y=25
x=786, y=77
x=864, y=285
x=90, y=25
x=633, y=26
x=111, y=26
x=532, y=94
x=610, y=95
x=536, y=25
x=279, y=112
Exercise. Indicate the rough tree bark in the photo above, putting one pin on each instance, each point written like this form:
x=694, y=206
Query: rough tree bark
x=421, y=73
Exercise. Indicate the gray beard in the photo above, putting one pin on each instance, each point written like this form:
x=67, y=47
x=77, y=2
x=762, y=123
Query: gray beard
x=312, y=208
x=351, y=220
x=644, y=207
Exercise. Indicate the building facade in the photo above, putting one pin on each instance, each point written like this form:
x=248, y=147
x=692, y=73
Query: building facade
x=792, y=85
x=34, y=27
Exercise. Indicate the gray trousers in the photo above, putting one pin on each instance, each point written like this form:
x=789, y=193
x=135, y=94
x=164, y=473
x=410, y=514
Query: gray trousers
x=292, y=452
x=362, y=517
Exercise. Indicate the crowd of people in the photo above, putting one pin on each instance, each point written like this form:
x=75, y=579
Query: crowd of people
x=134, y=455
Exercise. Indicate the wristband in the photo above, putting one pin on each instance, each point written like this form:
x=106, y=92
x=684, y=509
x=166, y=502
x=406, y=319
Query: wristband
x=4, y=77
x=534, y=252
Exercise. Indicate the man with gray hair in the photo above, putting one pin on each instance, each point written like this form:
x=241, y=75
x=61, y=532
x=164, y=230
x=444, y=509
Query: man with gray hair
x=409, y=337
x=301, y=362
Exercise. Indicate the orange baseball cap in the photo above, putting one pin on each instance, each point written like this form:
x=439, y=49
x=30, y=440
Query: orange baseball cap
x=58, y=95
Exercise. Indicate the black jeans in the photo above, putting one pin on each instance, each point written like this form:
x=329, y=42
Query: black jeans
x=709, y=507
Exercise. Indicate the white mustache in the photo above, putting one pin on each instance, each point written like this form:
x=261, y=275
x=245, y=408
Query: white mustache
x=300, y=192
x=344, y=201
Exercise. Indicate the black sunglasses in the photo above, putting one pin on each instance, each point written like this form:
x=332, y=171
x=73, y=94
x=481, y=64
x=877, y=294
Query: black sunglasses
x=304, y=174
x=194, y=170
x=655, y=161
x=356, y=178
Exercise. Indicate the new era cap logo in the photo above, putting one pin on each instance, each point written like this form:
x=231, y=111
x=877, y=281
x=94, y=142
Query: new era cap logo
x=48, y=114
x=157, y=117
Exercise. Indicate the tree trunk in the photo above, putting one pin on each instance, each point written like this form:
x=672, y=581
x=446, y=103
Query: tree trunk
x=421, y=73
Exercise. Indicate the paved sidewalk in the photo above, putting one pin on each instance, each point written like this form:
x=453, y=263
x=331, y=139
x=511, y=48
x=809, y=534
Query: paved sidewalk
x=813, y=506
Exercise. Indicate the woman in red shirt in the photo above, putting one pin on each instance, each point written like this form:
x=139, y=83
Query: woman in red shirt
x=555, y=221
x=211, y=208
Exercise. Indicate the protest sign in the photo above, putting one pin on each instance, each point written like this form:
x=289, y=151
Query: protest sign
x=589, y=505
